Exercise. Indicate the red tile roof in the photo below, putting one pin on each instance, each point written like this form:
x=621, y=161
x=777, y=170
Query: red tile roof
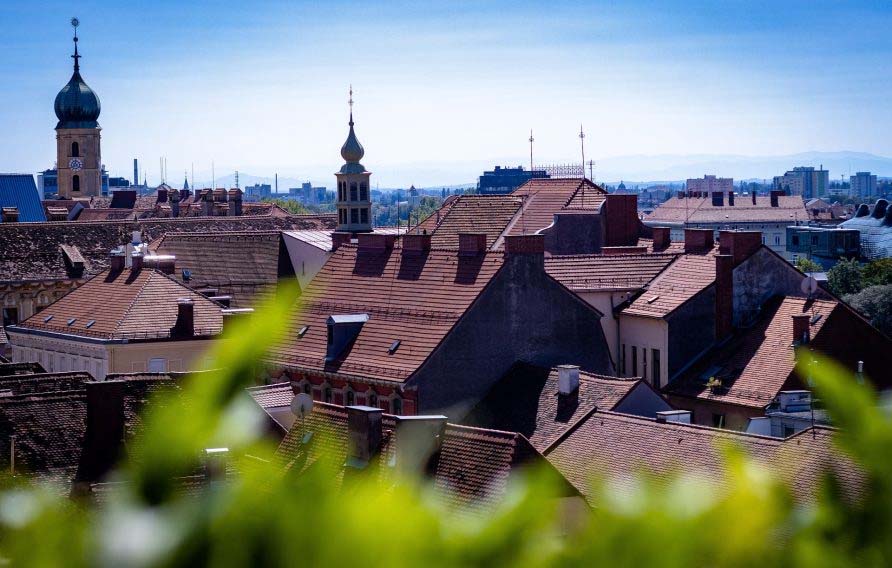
x=545, y=197
x=125, y=305
x=414, y=298
x=526, y=401
x=618, y=446
x=701, y=210
x=594, y=272
x=488, y=214
x=272, y=396
x=683, y=279
x=245, y=264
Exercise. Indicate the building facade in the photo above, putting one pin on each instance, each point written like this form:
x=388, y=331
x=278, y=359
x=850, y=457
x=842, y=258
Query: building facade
x=805, y=181
x=710, y=184
x=863, y=184
x=502, y=180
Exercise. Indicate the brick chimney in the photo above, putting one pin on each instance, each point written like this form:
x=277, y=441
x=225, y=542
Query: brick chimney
x=620, y=219
x=338, y=239
x=801, y=332
x=185, y=324
x=208, y=202
x=375, y=242
x=724, y=295
x=698, y=240
x=753, y=195
x=136, y=261
x=415, y=244
x=235, y=202
x=470, y=244
x=718, y=198
x=174, y=203
x=739, y=244
x=418, y=439
x=116, y=260
x=10, y=214
x=731, y=198
x=662, y=238
x=775, y=194
x=104, y=436
x=162, y=196
x=364, y=433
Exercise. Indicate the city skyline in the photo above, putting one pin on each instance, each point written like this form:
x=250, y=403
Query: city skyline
x=271, y=84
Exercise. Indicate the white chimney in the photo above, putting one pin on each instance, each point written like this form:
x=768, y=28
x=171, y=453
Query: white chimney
x=136, y=237
x=679, y=416
x=568, y=379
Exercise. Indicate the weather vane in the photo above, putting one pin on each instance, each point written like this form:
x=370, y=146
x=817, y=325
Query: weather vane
x=350, y=100
x=74, y=24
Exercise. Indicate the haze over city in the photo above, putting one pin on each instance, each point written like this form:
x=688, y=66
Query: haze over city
x=444, y=90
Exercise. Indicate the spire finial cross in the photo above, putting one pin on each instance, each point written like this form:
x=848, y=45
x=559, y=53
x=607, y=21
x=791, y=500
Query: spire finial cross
x=74, y=24
x=350, y=102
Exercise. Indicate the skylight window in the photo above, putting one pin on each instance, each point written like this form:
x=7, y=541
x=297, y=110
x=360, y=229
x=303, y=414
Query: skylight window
x=394, y=346
x=303, y=331
x=652, y=299
x=71, y=321
x=90, y=324
x=816, y=318
x=47, y=319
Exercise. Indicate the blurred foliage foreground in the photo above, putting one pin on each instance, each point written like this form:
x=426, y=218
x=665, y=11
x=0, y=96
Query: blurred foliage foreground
x=263, y=516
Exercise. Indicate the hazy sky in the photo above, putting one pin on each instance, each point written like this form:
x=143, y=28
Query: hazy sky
x=443, y=87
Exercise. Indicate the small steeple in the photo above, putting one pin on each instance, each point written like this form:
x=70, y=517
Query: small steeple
x=352, y=151
x=186, y=181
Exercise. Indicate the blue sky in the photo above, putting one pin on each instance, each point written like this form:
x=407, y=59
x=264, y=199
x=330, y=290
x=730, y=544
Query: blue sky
x=443, y=88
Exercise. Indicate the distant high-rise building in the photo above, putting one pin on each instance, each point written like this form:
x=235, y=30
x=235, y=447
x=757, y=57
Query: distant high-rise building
x=354, y=202
x=505, y=180
x=258, y=191
x=863, y=184
x=805, y=181
x=708, y=184
x=78, y=156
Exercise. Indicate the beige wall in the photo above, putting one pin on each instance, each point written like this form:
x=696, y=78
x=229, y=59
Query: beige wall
x=646, y=334
x=27, y=298
x=604, y=303
x=708, y=413
x=89, y=154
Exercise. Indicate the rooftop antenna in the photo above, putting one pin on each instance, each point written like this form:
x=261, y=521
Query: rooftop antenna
x=236, y=181
x=193, y=175
x=582, y=147
x=531, y=152
x=591, y=167
x=213, y=176
x=74, y=24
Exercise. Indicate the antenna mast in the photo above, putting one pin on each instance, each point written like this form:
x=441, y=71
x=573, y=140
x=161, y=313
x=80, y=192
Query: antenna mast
x=531, y=153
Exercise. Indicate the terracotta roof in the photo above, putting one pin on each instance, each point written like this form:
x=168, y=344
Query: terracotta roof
x=32, y=251
x=472, y=468
x=594, y=272
x=239, y=264
x=618, y=446
x=272, y=396
x=413, y=298
x=526, y=401
x=675, y=247
x=125, y=305
x=701, y=210
x=681, y=280
x=486, y=214
x=758, y=362
x=545, y=197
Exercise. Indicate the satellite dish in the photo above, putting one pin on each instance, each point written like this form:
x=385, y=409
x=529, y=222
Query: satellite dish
x=809, y=286
x=301, y=405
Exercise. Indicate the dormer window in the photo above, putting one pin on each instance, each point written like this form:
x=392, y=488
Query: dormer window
x=342, y=331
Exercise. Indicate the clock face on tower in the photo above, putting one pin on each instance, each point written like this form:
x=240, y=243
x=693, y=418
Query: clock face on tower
x=75, y=164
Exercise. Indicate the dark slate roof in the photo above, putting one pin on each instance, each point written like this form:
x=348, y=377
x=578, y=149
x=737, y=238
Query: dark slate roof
x=20, y=191
x=7, y=369
x=32, y=251
x=44, y=382
x=526, y=400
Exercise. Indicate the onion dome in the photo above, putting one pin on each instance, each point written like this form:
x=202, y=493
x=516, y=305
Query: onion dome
x=352, y=151
x=77, y=106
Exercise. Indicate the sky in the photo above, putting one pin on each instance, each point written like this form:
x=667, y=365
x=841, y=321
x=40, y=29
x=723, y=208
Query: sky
x=444, y=89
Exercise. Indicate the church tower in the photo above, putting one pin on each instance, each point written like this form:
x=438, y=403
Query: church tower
x=354, y=198
x=78, y=159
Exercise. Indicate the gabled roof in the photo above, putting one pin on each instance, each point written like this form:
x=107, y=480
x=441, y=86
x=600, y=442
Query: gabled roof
x=472, y=468
x=240, y=264
x=488, y=214
x=20, y=191
x=7, y=369
x=597, y=272
x=319, y=239
x=413, y=298
x=43, y=382
x=701, y=210
x=684, y=278
x=128, y=304
x=619, y=446
x=32, y=251
x=545, y=197
x=526, y=400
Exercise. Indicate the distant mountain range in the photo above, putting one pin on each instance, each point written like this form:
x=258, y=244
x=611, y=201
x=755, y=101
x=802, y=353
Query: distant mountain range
x=637, y=169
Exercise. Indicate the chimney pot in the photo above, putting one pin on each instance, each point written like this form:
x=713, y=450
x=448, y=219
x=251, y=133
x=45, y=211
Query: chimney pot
x=568, y=379
x=364, y=433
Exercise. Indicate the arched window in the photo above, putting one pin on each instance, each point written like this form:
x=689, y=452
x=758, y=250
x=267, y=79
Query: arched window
x=76, y=183
x=373, y=400
x=351, y=398
x=353, y=191
x=327, y=394
x=75, y=150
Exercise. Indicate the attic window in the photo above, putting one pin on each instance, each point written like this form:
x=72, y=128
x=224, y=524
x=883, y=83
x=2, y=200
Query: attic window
x=71, y=321
x=47, y=319
x=303, y=331
x=816, y=318
x=187, y=275
x=652, y=299
x=394, y=346
x=90, y=324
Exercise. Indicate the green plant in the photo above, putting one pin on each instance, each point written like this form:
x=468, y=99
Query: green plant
x=807, y=265
x=845, y=277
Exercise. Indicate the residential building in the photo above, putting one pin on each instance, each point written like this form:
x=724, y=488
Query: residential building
x=863, y=185
x=790, y=413
x=708, y=184
x=804, y=181
x=258, y=191
x=125, y=319
x=824, y=245
x=875, y=225
x=719, y=211
x=503, y=180
x=414, y=329
x=19, y=200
